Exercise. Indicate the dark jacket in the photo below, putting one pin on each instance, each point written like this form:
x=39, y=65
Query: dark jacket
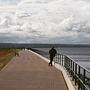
x=52, y=52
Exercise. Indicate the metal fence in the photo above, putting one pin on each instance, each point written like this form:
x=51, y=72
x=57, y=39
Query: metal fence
x=79, y=74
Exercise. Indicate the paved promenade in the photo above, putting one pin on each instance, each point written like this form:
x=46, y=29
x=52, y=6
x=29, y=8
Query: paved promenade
x=30, y=72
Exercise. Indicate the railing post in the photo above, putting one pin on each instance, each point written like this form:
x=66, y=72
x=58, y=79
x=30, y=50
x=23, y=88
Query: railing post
x=73, y=71
x=58, y=58
x=71, y=68
x=84, y=75
x=75, y=74
x=79, y=77
x=65, y=62
x=62, y=59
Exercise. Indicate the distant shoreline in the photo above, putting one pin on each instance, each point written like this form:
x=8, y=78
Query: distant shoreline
x=35, y=45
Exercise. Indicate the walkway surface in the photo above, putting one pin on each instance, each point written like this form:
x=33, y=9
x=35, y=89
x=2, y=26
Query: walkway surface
x=29, y=72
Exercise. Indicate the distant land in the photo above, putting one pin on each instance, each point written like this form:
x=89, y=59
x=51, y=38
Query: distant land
x=35, y=45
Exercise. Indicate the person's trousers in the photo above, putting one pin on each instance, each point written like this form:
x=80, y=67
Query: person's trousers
x=51, y=59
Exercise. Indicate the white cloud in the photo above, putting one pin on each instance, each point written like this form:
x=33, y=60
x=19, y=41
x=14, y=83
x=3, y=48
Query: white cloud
x=8, y=2
x=43, y=21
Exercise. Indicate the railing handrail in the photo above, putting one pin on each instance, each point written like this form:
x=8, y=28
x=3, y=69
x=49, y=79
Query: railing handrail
x=75, y=62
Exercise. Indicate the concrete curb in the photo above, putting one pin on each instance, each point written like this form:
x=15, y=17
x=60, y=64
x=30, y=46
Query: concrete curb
x=62, y=69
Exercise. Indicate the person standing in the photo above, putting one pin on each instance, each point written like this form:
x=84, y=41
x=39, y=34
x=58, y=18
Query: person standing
x=16, y=53
x=52, y=53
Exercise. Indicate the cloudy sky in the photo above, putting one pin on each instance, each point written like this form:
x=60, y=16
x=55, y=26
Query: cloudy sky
x=45, y=21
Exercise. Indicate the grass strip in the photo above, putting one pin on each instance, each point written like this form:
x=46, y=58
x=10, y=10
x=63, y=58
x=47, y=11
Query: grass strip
x=5, y=60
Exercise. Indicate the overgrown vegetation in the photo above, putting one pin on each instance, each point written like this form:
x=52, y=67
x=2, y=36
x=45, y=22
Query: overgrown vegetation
x=6, y=54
